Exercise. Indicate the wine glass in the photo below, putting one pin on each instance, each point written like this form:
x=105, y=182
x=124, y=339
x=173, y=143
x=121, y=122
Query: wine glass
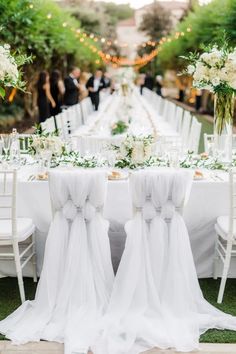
x=6, y=142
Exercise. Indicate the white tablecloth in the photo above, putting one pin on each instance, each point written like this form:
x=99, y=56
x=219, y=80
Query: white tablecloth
x=208, y=199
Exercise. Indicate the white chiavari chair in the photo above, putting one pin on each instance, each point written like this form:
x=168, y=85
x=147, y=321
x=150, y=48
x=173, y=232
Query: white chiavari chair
x=49, y=125
x=166, y=108
x=186, y=128
x=17, y=240
x=172, y=115
x=179, y=118
x=225, y=228
x=194, y=135
x=87, y=108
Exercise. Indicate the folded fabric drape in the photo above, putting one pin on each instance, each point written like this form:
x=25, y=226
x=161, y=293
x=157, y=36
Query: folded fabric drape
x=156, y=299
x=77, y=276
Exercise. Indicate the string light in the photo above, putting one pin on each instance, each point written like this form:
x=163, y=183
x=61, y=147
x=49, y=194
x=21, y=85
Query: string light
x=120, y=61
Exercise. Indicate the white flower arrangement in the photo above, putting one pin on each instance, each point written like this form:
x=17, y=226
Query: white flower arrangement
x=134, y=151
x=10, y=74
x=214, y=70
x=50, y=143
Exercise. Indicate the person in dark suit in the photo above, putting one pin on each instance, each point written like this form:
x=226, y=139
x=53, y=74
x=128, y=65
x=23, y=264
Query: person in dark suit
x=94, y=85
x=57, y=90
x=71, y=95
x=149, y=81
x=44, y=97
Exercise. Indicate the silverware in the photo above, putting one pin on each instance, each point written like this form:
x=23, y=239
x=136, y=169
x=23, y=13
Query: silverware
x=31, y=178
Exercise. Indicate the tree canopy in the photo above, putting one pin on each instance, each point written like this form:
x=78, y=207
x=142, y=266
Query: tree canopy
x=208, y=24
x=156, y=22
x=43, y=29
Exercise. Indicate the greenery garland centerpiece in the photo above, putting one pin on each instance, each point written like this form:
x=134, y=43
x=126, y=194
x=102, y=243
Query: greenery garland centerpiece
x=119, y=127
x=10, y=69
x=215, y=70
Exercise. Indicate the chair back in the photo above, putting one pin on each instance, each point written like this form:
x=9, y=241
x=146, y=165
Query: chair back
x=160, y=191
x=8, y=184
x=186, y=128
x=172, y=115
x=232, y=195
x=87, y=108
x=166, y=109
x=194, y=136
x=179, y=118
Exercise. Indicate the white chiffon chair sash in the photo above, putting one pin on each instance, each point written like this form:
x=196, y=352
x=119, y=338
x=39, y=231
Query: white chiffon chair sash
x=77, y=276
x=156, y=299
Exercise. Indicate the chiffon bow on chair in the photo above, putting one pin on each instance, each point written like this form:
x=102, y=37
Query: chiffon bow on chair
x=77, y=276
x=156, y=299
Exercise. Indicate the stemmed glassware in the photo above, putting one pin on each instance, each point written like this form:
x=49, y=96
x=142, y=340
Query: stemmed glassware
x=6, y=143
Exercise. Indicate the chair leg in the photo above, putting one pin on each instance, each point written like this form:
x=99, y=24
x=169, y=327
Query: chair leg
x=34, y=260
x=224, y=278
x=215, y=261
x=19, y=272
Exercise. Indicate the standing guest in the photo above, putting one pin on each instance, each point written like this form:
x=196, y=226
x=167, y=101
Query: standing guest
x=94, y=85
x=149, y=81
x=83, y=92
x=57, y=90
x=71, y=96
x=140, y=82
x=107, y=79
x=44, y=98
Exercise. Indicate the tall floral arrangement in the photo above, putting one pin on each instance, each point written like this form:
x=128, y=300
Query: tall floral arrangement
x=10, y=69
x=215, y=70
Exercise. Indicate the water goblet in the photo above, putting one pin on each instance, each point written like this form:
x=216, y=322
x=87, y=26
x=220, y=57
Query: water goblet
x=6, y=143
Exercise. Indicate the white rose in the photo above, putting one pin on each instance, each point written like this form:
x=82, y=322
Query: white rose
x=191, y=69
x=201, y=72
x=216, y=81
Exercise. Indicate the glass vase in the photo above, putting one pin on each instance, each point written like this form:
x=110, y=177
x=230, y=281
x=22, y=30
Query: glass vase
x=223, y=126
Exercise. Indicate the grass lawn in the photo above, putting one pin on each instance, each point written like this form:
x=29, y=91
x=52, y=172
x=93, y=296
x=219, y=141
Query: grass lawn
x=9, y=301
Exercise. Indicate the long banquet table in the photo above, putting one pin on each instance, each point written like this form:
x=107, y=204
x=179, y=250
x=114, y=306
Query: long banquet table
x=208, y=199
x=95, y=135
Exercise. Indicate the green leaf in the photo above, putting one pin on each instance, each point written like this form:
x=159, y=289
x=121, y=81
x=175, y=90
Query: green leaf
x=2, y=92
